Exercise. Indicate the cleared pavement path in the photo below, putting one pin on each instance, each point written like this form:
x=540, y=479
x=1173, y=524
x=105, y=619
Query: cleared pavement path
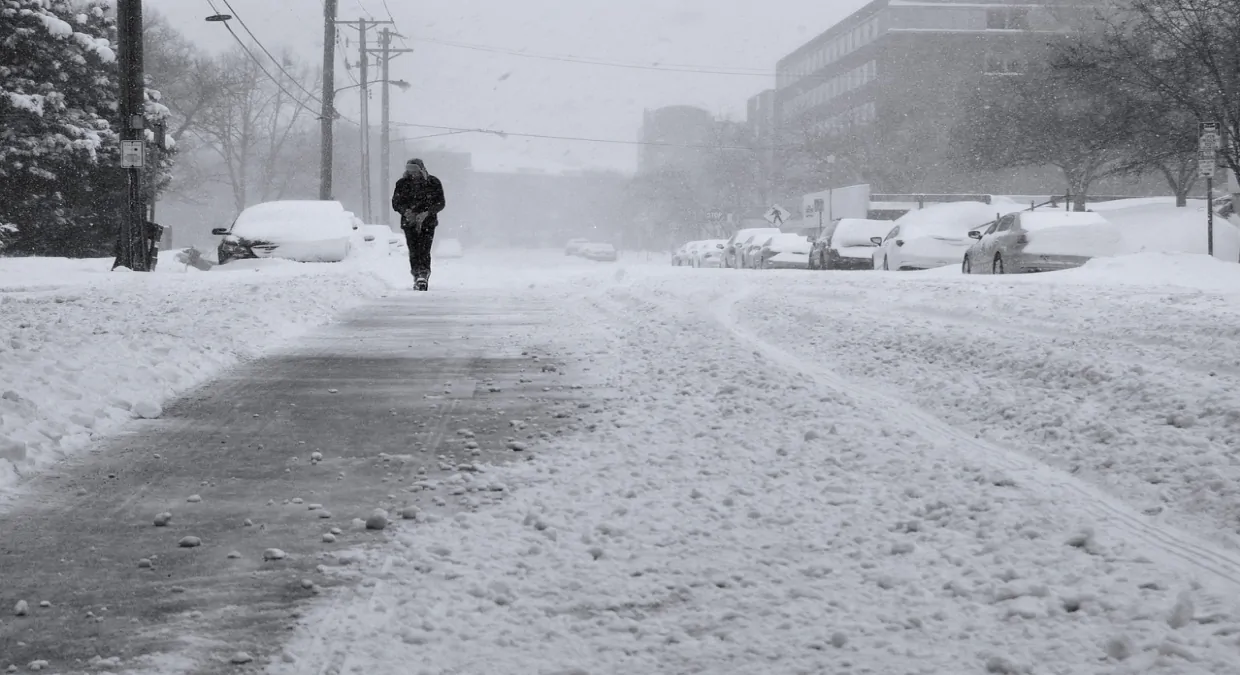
x=381, y=394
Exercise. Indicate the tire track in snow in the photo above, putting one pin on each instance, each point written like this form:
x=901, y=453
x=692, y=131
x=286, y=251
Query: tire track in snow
x=1181, y=550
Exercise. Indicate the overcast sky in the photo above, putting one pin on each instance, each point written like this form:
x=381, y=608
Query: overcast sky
x=469, y=88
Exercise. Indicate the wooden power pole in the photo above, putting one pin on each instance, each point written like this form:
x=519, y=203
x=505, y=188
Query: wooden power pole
x=386, y=54
x=327, y=116
x=134, y=247
x=364, y=53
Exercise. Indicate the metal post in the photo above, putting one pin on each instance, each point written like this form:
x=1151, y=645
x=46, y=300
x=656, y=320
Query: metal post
x=385, y=157
x=133, y=249
x=365, y=137
x=1210, y=215
x=327, y=114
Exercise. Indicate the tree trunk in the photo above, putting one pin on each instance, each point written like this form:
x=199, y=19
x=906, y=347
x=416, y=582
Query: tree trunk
x=1181, y=198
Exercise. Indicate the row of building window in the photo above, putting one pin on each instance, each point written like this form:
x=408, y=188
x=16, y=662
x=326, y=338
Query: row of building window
x=858, y=116
x=829, y=52
x=836, y=86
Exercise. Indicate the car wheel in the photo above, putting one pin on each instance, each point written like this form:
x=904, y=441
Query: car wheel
x=886, y=267
x=997, y=267
x=966, y=267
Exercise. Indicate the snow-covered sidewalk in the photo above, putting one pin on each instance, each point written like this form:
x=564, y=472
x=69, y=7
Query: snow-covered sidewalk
x=83, y=350
x=736, y=508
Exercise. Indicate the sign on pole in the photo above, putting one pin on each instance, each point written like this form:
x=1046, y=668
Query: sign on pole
x=133, y=154
x=777, y=215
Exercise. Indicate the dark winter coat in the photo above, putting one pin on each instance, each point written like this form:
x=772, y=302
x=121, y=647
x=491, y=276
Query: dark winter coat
x=419, y=194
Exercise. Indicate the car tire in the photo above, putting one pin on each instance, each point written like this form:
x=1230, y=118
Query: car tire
x=886, y=267
x=997, y=266
x=966, y=267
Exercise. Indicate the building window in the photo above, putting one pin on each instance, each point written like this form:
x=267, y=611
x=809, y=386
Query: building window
x=1007, y=18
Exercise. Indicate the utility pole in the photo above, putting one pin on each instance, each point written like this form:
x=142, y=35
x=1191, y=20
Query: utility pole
x=133, y=248
x=364, y=53
x=327, y=116
x=386, y=54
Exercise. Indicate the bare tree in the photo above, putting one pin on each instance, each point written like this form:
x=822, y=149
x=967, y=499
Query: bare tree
x=1048, y=117
x=254, y=126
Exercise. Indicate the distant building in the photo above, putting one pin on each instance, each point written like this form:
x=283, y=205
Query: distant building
x=909, y=64
x=673, y=137
x=761, y=119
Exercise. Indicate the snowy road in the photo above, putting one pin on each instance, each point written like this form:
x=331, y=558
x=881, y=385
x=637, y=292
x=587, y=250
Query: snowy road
x=795, y=478
x=765, y=472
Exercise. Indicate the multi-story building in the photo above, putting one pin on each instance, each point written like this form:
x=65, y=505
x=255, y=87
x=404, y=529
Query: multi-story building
x=760, y=117
x=673, y=137
x=908, y=66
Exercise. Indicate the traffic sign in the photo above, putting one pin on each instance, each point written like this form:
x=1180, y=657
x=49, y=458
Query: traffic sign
x=1210, y=136
x=777, y=215
x=133, y=154
x=1205, y=167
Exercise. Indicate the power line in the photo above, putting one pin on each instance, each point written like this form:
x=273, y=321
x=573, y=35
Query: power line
x=675, y=68
x=393, y=20
x=265, y=51
x=260, y=65
x=497, y=132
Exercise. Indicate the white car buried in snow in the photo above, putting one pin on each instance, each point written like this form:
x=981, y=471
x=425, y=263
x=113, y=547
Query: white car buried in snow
x=305, y=231
x=381, y=239
x=1041, y=241
x=936, y=236
x=783, y=251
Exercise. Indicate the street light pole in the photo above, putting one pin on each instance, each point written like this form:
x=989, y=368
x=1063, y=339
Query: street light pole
x=327, y=116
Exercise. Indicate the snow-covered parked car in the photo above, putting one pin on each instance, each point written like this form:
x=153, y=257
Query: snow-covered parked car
x=381, y=239
x=683, y=256
x=850, y=245
x=574, y=246
x=1041, y=241
x=449, y=248
x=301, y=230
x=599, y=252
x=733, y=253
x=783, y=251
x=936, y=236
x=709, y=253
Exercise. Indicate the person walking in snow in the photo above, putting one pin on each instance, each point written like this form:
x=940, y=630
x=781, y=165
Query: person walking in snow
x=418, y=198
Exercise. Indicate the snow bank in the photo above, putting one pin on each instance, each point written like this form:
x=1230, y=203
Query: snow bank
x=82, y=350
x=1157, y=225
x=733, y=509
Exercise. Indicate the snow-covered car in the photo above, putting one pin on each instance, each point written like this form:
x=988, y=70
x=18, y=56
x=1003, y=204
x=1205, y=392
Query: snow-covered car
x=749, y=250
x=381, y=239
x=301, y=230
x=449, y=248
x=936, y=236
x=783, y=251
x=732, y=253
x=709, y=253
x=599, y=252
x=1041, y=241
x=683, y=256
x=574, y=246
x=850, y=245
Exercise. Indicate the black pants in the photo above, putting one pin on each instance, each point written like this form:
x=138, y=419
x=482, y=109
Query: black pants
x=420, y=250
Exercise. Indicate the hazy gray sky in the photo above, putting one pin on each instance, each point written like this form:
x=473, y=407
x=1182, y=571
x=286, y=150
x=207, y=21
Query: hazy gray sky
x=458, y=87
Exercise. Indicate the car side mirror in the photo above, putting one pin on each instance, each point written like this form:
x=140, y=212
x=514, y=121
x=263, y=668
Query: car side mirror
x=899, y=242
x=719, y=246
x=220, y=231
x=369, y=237
x=877, y=241
x=974, y=234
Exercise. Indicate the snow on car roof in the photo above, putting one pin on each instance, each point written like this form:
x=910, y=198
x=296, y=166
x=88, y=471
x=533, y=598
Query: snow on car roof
x=1041, y=220
x=301, y=220
x=953, y=217
x=858, y=231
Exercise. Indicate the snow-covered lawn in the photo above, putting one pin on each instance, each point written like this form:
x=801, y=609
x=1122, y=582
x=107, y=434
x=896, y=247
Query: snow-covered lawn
x=841, y=473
